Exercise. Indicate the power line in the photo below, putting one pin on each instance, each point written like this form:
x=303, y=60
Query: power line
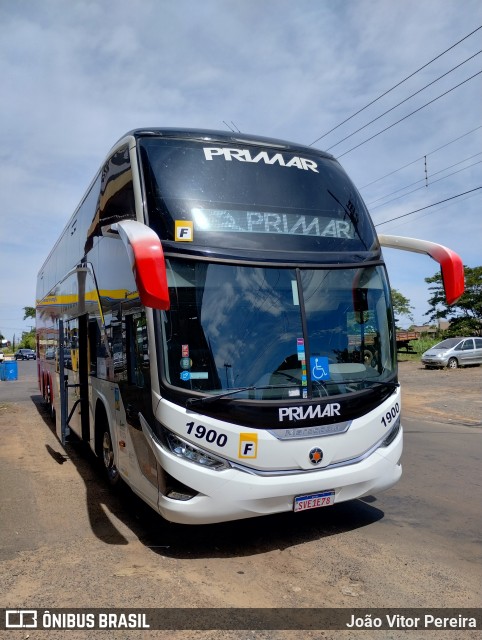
x=410, y=114
x=387, y=195
x=404, y=215
x=429, y=213
x=387, y=175
x=418, y=188
x=405, y=100
x=396, y=85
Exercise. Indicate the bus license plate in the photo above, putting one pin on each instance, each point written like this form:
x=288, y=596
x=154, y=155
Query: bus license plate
x=314, y=501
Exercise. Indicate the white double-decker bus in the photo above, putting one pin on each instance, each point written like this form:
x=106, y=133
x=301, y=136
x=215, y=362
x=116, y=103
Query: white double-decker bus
x=216, y=322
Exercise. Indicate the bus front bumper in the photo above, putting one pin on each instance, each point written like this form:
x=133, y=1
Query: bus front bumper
x=233, y=494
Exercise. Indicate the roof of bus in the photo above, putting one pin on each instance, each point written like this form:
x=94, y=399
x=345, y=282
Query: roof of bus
x=232, y=137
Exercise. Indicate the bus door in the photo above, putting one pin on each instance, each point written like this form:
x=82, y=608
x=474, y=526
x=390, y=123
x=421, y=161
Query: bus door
x=73, y=359
x=83, y=376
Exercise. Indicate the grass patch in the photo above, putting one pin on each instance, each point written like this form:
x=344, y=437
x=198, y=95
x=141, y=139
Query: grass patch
x=418, y=347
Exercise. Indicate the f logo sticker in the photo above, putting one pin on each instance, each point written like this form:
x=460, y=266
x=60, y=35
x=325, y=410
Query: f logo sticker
x=248, y=445
x=183, y=231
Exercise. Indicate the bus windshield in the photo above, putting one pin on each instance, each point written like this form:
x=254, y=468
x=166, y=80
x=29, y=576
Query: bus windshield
x=282, y=332
x=250, y=198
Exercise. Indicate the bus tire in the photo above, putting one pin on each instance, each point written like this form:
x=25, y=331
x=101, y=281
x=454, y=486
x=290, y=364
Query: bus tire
x=104, y=447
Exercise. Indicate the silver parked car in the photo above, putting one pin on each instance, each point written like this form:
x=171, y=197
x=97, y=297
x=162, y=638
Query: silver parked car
x=453, y=353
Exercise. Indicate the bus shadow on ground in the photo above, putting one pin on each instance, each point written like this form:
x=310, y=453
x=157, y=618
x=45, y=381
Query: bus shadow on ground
x=229, y=539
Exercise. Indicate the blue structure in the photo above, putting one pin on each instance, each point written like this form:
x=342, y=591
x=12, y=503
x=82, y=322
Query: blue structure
x=9, y=371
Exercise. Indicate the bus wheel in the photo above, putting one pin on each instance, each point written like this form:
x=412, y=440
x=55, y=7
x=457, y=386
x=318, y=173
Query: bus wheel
x=108, y=458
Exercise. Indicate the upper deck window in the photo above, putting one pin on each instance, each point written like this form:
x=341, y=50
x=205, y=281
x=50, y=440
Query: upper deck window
x=115, y=196
x=252, y=198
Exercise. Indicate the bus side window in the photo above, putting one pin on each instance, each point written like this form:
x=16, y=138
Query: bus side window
x=116, y=198
x=137, y=350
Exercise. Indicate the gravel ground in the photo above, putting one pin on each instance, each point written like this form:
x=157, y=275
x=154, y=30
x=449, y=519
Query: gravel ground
x=67, y=541
x=449, y=395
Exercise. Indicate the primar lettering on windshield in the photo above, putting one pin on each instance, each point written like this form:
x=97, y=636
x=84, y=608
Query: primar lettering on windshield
x=244, y=155
x=264, y=222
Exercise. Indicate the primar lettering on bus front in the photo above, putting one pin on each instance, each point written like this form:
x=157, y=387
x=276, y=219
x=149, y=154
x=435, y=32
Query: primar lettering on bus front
x=310, y=412
x=272, y=222
x=244, y=155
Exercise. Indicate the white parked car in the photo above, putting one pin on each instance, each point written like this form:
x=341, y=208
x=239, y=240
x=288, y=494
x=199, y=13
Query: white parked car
x=453, y=353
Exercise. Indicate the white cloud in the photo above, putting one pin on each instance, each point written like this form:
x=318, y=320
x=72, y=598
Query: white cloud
x=78, y=75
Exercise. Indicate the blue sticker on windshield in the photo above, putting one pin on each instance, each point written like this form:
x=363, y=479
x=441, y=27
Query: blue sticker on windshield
x=319, y=367
x=300, y=348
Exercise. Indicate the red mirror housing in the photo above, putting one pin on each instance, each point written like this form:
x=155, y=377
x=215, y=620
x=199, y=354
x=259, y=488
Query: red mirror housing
x=147, y=261
x=450, y=262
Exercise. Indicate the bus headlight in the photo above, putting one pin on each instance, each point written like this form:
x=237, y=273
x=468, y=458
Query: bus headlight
x=188, y=451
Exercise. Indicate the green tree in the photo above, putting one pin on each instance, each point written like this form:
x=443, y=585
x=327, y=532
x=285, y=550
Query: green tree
x=28, y=340
x=401, y=306
x=465, y=316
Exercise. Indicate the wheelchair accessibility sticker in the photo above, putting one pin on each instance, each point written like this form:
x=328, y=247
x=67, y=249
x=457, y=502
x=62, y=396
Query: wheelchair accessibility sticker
x=320, y=369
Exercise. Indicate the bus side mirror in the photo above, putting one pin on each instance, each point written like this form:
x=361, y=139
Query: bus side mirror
x=147, y=261
x=450, y=263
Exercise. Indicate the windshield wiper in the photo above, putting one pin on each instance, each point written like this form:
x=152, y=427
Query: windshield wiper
x=369, y=383
x=232, y=392
x=384, y=383
x=350, y=212
x=325, y=383
x=320, y=383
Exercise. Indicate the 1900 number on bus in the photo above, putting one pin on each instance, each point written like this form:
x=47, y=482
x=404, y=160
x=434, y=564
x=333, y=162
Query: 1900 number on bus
x=210, y=435
x=391, y=415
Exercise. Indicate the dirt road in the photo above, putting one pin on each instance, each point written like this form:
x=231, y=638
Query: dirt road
x=450, y=395
x=67, y=541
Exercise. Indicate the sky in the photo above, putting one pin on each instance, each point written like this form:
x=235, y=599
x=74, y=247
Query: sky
x=76, y=76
